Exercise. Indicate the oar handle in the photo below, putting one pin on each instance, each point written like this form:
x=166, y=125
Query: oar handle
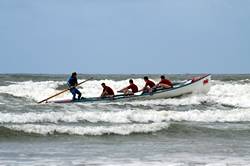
x=65, y=90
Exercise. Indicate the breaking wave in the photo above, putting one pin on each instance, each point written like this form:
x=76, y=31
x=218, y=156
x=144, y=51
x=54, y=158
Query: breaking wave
x=128, y=116
x=123, y=129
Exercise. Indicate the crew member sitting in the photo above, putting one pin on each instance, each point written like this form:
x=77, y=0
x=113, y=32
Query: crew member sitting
x=131, y=89
x=164, y=83
x=72, y=83
x=107, y=91
x=148, y=88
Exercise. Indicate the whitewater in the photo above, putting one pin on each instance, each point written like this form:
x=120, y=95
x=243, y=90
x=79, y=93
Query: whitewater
x=195, y=129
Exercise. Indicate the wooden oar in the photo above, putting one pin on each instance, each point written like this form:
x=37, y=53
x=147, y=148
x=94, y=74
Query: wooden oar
x=65, y=90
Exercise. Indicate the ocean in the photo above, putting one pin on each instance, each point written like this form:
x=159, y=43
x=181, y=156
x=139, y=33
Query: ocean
x=196, y=129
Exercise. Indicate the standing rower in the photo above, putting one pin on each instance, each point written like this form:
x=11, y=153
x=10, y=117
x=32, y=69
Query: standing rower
x=72, y=83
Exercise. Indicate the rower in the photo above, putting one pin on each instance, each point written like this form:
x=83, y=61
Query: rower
x=72, y=83
x=148, y=88
x=107, y=91
x=164, y=83
x=129, y=90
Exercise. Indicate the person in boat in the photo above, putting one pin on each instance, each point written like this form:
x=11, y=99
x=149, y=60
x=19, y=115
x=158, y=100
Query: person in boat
x=149, y=85
x=131, y=89
x=72, y=83
x=164, y=83
x=107, y=91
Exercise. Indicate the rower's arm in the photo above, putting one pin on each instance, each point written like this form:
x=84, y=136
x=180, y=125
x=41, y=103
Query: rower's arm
x=122, y=89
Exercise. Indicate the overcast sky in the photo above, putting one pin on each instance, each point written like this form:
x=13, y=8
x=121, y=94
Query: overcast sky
x=125, y=36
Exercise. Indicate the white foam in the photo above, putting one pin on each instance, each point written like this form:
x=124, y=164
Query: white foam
x=30, y=89
x=235, y=115
x=124, y=129
x=128, y=116
x=230, y=93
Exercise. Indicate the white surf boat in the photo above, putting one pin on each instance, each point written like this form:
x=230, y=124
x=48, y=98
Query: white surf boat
x=200, y=84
